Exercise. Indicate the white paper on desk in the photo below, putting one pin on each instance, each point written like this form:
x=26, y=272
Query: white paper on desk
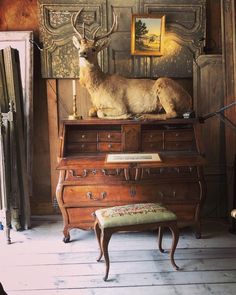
x=133, y=157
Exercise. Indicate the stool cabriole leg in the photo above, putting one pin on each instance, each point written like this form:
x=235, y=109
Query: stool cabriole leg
x=98, y=235
x=160, y=236
x=105, y=238
x=175, y=238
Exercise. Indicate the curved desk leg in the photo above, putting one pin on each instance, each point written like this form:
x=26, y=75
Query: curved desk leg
x=66, y=233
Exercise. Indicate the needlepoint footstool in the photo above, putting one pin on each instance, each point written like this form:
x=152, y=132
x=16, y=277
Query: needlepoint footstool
x=134, y=217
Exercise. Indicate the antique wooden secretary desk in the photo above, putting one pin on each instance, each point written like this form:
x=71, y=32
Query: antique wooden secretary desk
x=88, y=182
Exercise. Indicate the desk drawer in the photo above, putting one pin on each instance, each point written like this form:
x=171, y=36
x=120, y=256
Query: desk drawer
x=152, y=146
x=111, y=195
x=169, y=173
x=74, y=148
x=109, y=147
x=108, y=195
x=179, y=146
x=109, y=136
x=88, y=195
x=81, y=215
x=98, y=176
x=179, y=135
x=82, y=136
x=152, y=136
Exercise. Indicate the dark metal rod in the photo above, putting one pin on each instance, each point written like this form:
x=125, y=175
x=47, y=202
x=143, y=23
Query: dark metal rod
x=227, y=121
x=207, y=116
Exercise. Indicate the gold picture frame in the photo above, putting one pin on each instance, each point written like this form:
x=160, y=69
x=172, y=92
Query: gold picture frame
x=147, y=34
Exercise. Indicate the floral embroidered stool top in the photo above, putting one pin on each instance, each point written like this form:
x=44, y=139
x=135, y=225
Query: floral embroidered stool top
x=133, y=214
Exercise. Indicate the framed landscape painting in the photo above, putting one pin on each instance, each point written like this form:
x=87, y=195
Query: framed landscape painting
x=147, y=33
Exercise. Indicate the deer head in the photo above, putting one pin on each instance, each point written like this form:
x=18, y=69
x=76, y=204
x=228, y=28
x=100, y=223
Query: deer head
x=89, y=48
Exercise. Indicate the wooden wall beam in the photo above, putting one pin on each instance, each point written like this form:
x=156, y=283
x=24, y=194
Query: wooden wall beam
x=228, y=19
x=53, y=126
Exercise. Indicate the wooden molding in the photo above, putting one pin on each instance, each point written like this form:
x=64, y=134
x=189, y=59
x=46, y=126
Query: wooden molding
x=53, y=126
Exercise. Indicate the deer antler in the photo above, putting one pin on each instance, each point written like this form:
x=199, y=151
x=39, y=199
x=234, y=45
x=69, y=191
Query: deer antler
x=113, y=29
x=73, y=22
x=74, y=18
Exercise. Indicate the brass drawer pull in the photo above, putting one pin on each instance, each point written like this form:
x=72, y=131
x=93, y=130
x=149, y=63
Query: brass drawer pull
x=109, y=146
x=113, y=172
x=83, y=136
x=73, y=173
x=108, y=135
x=92, y=197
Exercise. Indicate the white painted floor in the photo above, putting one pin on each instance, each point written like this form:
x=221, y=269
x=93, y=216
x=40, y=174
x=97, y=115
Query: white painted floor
x=39, y=263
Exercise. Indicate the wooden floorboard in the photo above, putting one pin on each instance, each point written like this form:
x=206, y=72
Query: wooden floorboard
x=39, y=263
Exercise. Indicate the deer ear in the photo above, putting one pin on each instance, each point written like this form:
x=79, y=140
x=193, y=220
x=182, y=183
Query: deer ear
x=103, y=45
x=76, y=42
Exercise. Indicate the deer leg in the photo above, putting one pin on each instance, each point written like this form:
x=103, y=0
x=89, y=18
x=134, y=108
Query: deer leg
x=169, y=108
x=108, y=113
x=157, y=116
x=92, y=112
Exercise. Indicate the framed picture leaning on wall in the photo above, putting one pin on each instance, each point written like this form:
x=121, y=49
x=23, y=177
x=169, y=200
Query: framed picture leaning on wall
x=147, y=33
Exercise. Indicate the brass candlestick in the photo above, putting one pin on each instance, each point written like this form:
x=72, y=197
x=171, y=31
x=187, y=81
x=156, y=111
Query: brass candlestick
x=74, y=116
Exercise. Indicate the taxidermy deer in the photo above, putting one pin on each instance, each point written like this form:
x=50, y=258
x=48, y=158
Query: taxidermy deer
x=117, y=97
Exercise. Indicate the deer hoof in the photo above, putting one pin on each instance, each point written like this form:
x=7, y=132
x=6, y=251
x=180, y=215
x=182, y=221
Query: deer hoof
x=92, y=112
x=100, y=114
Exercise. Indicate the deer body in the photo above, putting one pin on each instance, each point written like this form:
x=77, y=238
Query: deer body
x=116, y=97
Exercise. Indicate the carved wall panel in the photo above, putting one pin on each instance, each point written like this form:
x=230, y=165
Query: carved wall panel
x=59, y=56
x=185, y=32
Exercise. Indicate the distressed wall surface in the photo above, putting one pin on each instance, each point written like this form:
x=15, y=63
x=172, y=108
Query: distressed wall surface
x=23, y=15
x=20, y=16
x=185, y=32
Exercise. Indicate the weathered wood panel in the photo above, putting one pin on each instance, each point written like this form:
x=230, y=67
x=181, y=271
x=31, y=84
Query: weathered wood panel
x=209, y=98
x=20, y=42
x=213, y=21
x=53, y=126
x=228, y=10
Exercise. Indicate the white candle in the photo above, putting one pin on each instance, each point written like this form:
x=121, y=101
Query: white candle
x=74, y=87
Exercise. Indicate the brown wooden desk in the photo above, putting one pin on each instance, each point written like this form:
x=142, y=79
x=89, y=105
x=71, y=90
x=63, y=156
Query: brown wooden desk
x=87, y=182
